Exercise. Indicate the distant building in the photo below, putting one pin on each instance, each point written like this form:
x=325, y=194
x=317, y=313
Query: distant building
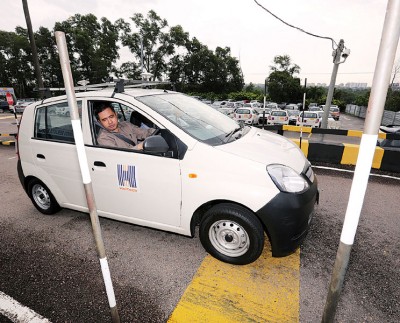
x=352, y=85
x=317, y=84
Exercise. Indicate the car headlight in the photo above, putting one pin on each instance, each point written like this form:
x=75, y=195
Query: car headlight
x=286, y=179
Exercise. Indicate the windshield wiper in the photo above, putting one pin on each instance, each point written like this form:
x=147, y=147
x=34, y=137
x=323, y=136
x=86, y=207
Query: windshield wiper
x=229, y=136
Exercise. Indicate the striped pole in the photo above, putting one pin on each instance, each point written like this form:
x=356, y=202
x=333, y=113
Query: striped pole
x=380, y=84
x=83, y=163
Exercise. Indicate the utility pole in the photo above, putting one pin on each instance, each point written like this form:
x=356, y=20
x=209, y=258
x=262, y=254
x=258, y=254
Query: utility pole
x=35, y=58
x=376, y=103
x=337, y=55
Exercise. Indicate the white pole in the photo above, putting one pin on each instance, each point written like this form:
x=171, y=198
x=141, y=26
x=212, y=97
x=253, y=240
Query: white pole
x=380, y=84
x=83, y=163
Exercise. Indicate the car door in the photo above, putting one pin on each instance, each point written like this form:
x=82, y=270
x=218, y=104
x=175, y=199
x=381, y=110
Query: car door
x=54, y=155
x=135, y=186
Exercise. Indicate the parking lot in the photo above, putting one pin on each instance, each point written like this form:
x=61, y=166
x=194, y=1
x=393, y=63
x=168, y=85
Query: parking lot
x=49, y=264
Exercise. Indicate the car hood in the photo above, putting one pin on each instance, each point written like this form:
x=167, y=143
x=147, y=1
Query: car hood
x=265, y=147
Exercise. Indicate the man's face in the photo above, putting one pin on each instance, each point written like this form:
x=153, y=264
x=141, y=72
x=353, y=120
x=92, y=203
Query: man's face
x=108, y=119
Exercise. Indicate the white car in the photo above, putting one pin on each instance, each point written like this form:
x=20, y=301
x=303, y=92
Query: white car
x=272, y=106
x=291, y=107
x=332, y=123
x=278, y=117
x=199, y=168
x=293, y=115
x=246, y=114
x=390, y=128
x=20, y=106
x=309, y=119
x=263, y=115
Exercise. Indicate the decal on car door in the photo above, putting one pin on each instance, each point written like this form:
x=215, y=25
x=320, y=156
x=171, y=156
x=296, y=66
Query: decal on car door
x=127, y=177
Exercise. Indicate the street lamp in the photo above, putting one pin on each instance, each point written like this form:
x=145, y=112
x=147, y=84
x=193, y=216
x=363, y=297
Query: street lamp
x=339, y=53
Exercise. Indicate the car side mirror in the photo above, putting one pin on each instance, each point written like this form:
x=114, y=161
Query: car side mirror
x=155, y=144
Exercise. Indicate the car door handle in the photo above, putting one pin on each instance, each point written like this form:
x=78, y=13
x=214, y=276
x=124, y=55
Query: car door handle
x=40, y=156
x=99, y=163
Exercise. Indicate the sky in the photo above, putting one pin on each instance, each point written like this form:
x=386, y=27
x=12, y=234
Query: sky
x=254, y=36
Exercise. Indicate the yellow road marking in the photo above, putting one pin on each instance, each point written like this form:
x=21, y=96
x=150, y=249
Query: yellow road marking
x=264, y=291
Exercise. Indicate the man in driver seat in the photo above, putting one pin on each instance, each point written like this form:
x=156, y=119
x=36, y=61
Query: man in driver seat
x=119, y=134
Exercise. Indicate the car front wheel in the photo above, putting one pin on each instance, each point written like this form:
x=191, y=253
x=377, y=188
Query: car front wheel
x=42, y=198
x=232, y=234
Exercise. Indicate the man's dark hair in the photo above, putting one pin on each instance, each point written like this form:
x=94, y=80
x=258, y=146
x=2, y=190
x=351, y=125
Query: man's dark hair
x=101, y=107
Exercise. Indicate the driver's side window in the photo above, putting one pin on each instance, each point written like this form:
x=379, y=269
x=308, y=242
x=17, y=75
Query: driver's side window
x=123, y=112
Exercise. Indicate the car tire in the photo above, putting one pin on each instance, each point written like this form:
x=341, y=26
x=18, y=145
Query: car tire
x=42, y=198
x=232, y=234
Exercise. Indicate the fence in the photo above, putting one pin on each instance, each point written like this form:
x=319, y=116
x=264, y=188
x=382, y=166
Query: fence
x=388, y=118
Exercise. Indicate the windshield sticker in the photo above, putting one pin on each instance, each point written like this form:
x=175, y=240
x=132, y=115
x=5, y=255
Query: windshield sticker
x=127, y=177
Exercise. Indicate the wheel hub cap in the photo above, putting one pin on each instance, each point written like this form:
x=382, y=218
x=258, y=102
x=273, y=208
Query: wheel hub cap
x=229, y=238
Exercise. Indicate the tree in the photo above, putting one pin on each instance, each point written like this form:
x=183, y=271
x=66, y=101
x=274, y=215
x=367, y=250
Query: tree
x=283, y=63
x=16, y=64
x=48, y=58
x=93, y=50
x=159, y=44
x=282, y=85
x=92, y=46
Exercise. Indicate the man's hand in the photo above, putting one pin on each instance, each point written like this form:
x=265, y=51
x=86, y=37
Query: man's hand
x=139, y=146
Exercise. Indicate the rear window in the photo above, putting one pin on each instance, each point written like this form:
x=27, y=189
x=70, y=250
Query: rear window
x=334, y=109
x=310, y=115
x=243, y=111
x=278, y=113
x=53, y=122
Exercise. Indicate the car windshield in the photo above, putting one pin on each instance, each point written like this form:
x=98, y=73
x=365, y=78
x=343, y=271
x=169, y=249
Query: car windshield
x=294, y=112
x=192, y=116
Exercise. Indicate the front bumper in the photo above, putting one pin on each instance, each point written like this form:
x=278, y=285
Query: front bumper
x=287, y=218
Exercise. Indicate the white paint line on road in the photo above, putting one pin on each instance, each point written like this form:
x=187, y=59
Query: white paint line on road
x=352, y=171
x=18, y=313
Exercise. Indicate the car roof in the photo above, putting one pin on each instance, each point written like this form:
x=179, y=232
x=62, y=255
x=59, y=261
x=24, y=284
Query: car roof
x=104, y=93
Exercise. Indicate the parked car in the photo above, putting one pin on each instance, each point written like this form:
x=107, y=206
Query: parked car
x=392, y=128
x=263, y=115
x=63, y=110
x=335, y=112
x=309, y=119
x=247, y=114
x=332, y=123
x=4, y=106
x=227, y=110
x=291, y=107
x=20, y=106
x=279, y=117
x=313, y=109
x=312, y=105
x=293, y=115
x=390, y=144
x=199, y=168
x=272, y=106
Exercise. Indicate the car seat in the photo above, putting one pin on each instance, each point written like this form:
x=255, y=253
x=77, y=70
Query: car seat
x=138, y=120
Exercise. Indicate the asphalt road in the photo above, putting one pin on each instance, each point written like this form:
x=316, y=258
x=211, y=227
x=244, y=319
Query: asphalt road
x=50, y=264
